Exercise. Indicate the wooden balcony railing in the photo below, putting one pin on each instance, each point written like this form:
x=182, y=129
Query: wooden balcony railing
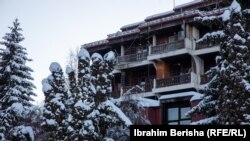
x=204, y=79
x=174, y=80
x=132, y=58
x=147, y=87
x=202, y=46
x=167, y=47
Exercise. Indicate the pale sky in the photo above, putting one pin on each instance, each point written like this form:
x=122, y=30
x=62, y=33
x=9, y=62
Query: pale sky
x=52, y=27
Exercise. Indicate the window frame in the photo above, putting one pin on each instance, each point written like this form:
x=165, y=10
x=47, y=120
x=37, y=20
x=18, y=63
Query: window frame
x=178, y=105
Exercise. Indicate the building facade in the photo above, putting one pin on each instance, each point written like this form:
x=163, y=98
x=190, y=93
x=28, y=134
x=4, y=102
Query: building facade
x=160, y=55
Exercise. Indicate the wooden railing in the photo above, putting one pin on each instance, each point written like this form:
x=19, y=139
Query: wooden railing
x=167, y=47
x=173, y=80
x=204, y=45
x=204, y=79
x=132, y=57
x=147, y=87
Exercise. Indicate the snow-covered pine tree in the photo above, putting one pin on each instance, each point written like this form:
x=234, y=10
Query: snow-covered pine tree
x=226, y=99
x=98, y=77
x=56, y=94
x=84, y=107
x=16, y=87
x=109, y=63
x=71, y=80
x=132, y=107
x=110, y=117
x=69, y=103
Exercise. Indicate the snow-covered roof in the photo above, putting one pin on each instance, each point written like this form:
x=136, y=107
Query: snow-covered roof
x=159, y=15
x=171, y=18
x=144, y=102
x=96, y=43
x=178, y=95
x=124, y=33
x=132, y=25
x=197, y=96
x=214, y=12
x=194, y=2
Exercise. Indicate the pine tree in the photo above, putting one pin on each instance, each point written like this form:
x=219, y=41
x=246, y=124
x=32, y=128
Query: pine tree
x=69, y=104
x=108, y=118
x=131, y=106
x=226, y=99
x=98, y=77
x=74, y=111
x=16, y=87
x=109, y=63
x=56, y=94
x=83, y=113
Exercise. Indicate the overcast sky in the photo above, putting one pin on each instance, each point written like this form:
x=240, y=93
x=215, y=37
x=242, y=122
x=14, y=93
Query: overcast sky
x=52, y=27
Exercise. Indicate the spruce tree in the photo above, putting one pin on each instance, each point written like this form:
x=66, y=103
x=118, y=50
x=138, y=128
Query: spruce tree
x=16, y=87
x=56, y=94
x=109, y=63
x=108, y=117
x=69, y=103
x=84, y=113
x=226, y=99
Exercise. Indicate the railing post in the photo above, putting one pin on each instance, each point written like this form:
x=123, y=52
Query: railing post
x=122, y=50
x=154, y=84
x=194, y=78
x=149, y=49
x=154, y=40
x=121, y=92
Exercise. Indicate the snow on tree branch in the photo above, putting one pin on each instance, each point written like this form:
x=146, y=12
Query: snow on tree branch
x=213, y=36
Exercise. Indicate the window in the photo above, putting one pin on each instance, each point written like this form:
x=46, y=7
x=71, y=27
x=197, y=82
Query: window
x=177, y=116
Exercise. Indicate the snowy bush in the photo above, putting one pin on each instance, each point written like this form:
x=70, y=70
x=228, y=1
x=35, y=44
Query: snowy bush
x=79, y=108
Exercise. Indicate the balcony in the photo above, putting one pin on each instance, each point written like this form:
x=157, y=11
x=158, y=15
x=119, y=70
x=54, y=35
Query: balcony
x=204, y=79
x=144, y=90
x=167, y=47
x=203, y=46
x=173, y=83
x=171, y=49
x=135, y=89
x=132, y=58
x=174, y=80
x=206, y=48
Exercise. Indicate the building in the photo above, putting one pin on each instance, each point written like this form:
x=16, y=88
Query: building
x=160, y=55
